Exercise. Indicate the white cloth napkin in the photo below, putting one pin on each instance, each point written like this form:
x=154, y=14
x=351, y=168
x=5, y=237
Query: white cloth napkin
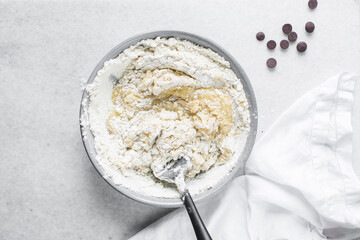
x=299, y=184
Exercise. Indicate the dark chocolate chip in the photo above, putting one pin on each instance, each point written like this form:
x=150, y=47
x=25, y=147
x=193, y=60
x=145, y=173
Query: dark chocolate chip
x=271, y=62
x=309, y=27
x=301, y=46
x=292, y=36
x=284, y=44
x=271, y=44
x=287, y=28
x=312, y=4
x=260, y=36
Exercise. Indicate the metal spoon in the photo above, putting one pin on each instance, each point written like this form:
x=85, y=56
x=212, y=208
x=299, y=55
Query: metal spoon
x=174, y=172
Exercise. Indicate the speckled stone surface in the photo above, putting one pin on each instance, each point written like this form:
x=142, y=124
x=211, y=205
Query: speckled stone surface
x=49, y=189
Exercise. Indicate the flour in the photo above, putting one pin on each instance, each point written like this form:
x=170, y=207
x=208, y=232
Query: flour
x=171, y=99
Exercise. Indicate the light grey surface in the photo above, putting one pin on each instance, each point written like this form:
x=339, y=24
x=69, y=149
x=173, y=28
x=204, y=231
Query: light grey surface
x=49, y=189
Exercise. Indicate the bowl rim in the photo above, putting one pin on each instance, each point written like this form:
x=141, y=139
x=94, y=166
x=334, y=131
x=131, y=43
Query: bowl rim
x=238, y=169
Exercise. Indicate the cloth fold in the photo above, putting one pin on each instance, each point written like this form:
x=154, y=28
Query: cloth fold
x=299, y=183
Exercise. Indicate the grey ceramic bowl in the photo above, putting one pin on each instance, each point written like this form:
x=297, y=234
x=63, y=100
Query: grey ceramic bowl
x=239, y=167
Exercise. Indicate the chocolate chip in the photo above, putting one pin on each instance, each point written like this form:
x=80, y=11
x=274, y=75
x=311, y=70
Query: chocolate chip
x=284, y=44
x=312, y=4
x=260, y=36
x=309, y=27
x=271, y=44
x=292, y=36
x=301, y=46
x=287, y=28
x=271, y=62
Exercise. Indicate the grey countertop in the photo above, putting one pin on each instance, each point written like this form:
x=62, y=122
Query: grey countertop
x=49, y=189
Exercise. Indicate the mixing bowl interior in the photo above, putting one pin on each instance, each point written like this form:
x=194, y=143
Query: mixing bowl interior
x=88, y=138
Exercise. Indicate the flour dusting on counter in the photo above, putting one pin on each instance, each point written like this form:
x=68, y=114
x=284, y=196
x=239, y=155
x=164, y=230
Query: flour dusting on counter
x=163, y=99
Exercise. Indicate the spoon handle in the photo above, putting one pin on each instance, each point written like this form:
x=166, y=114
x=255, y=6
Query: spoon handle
x=199, y=227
